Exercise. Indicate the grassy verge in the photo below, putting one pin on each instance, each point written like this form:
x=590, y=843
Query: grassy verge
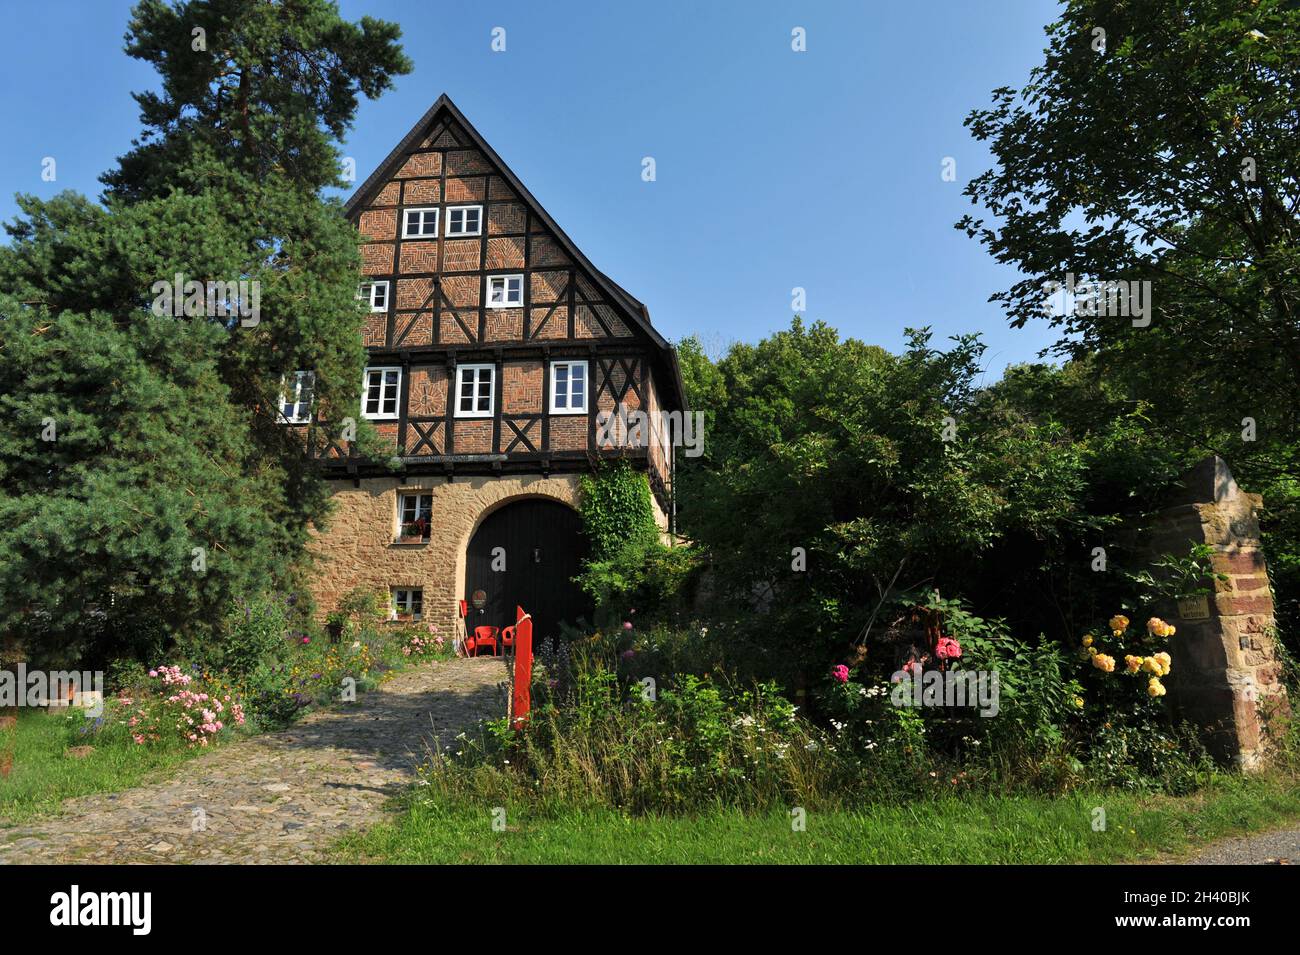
x=44, y=774
x=983, y=829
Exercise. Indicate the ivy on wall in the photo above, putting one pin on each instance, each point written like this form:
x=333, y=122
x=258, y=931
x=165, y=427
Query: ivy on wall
x=617, y=511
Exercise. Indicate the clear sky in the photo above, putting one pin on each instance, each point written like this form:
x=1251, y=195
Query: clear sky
x=775, y=169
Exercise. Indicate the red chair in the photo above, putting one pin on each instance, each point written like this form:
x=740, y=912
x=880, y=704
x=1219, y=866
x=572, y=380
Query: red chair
x=483, y=636
x=507, y=639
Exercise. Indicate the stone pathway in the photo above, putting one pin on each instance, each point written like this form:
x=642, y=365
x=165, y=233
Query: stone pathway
x=277, y=798
x=1281, y=847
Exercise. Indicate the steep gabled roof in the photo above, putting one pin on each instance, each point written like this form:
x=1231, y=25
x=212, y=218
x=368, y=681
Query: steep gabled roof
x=635, y=310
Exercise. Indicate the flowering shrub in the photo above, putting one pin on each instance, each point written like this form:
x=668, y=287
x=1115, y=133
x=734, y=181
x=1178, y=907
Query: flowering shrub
x=314, y=673
x=886, y=741
x=178, y=706
x=418, y=643
x=690, y=744
x=1147, y=662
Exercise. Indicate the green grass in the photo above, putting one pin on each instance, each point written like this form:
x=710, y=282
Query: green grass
x=43, y=775
x=979, y=829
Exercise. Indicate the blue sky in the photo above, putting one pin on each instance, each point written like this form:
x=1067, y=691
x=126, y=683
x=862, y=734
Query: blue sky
x=775, y=169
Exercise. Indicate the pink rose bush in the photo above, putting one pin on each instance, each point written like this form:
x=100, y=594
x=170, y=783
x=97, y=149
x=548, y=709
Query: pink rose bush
x=419, y=643
x=178, y=706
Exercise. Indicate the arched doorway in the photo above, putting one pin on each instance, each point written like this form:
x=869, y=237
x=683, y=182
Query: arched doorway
x=541, y=545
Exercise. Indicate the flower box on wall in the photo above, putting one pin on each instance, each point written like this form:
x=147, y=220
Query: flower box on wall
x=416, y=532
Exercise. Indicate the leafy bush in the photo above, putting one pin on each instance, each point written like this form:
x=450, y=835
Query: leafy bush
x=616, y=510
x=255, y=632
x=422, y=642
x=684, y=747
x=646, y=576
x=629, y=565
x=1062, y=718
x=363, y=608
x=177, y=705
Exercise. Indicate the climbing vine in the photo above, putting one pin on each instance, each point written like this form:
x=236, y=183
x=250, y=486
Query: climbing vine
x=629, y=567
x=617, y=511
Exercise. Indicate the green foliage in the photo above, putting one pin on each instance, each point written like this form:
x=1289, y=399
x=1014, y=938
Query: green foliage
x=364, y=608
x=1173, y=577
x=649, y=578
x=147, y=462
x=273, y=88
x=169, y=487
x=1183, y=175
x=616, y=510
x=1134, y=751
x=698, y=745
x=256, y=630
x=629, y=568
x=1037, y=694
x=884, y=471
x=1157, y=187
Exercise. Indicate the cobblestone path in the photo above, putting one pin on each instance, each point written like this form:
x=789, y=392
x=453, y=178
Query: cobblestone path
x=277, y=798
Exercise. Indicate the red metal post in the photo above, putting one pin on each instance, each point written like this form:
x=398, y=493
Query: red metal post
x=523, y=667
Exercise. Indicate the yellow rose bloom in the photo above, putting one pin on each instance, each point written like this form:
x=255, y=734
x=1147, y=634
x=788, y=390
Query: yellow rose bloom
x=1078, y=701
x=1158, y=628
x=1087, y=640
x=1118, y=624
x=1132, y=663
x=1104, y=663
x=1155, y=687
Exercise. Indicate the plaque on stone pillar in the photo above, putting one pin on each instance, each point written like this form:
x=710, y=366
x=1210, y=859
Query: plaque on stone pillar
x=1194, y=608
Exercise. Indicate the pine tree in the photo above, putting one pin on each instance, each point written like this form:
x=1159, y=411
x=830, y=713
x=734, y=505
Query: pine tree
x=146, y=478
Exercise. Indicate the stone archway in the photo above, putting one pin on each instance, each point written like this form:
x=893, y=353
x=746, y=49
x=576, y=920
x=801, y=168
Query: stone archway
x=479, y=498
x=526, y=553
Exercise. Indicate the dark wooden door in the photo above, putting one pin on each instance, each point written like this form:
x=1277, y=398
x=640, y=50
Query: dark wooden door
x=543, y=548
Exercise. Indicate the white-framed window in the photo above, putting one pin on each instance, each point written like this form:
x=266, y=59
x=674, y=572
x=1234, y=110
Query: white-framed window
x=380, y=391
x=420, y=223
x=295, y=397
x=408, y=600
x=505, y=291
x=414, y=515
x=474, y=385
x=374, y=294
x=464, y=220
x=568, y=387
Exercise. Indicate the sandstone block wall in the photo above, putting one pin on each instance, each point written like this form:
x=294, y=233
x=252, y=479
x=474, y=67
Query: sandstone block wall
x=359, y=546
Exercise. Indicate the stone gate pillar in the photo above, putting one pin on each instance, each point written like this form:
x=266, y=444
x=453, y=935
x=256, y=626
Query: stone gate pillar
x=1226, y=676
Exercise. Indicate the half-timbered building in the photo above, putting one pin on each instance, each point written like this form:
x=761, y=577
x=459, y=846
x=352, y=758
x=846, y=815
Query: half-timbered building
x=494, y=347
